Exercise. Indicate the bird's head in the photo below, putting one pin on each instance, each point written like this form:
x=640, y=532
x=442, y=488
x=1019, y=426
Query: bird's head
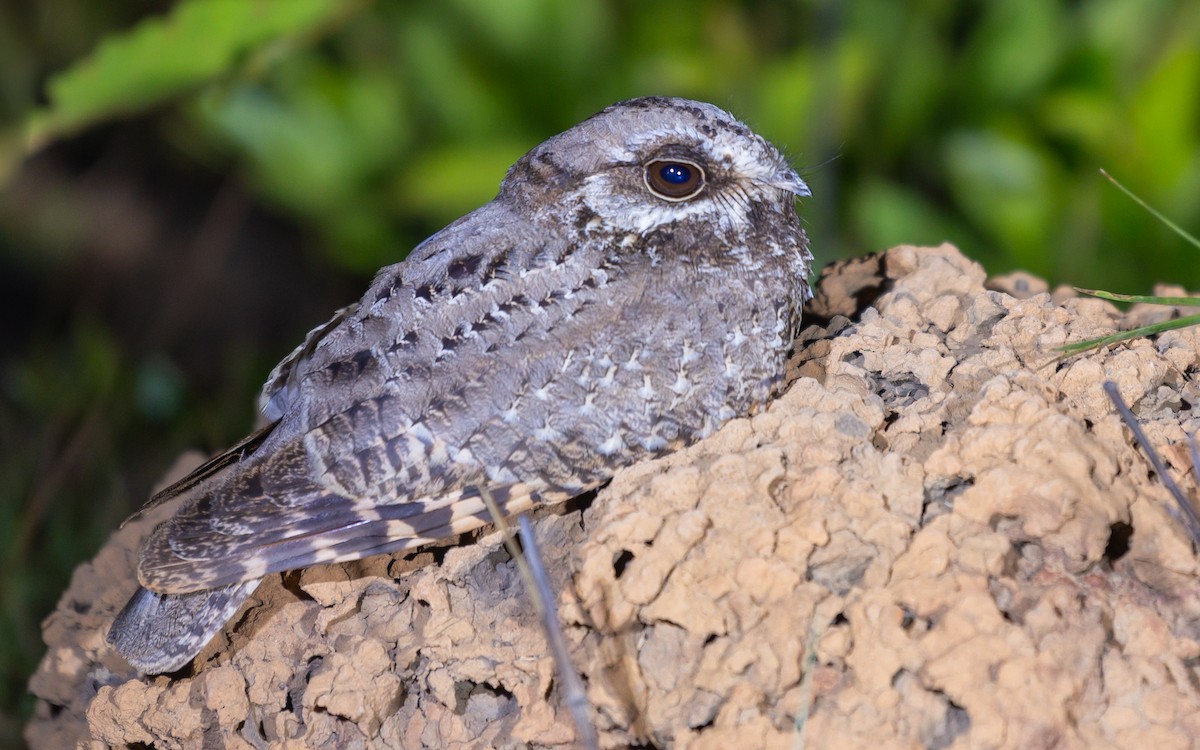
x=656, y=162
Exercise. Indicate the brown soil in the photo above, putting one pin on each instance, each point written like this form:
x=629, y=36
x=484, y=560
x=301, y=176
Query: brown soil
x=939, y=537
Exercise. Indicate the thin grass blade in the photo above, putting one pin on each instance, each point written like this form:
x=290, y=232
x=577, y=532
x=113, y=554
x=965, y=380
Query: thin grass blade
x=1166, y=325
x=1174, y=227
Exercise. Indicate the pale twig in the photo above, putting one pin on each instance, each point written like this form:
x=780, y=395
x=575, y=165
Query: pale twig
x=573, y=690
x=1186, y=513
x=537, y=584
x=806, y=688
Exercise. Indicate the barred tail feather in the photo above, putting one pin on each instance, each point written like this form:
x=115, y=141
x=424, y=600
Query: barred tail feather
x=159, y=633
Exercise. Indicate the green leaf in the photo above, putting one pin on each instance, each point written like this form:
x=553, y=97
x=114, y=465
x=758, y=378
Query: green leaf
x=1142, y=298
x=1016, y=48
x=1163, y=114
x=161, y=58
x=785, y=92
x=886, y=214
x=1005, y=184
x=1082, y=117
x=448, y=182
x=317, y=137
x=1169, y=325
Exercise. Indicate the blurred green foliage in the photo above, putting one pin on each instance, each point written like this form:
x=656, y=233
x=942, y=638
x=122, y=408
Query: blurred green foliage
x=159, y=59
x=368, y=125
x=979, y=123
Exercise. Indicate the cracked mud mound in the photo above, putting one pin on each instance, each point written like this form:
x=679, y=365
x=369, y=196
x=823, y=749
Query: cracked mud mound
x=939, y=537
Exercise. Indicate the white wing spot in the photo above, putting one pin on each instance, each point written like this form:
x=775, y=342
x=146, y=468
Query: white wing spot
x=324, y=555
x=681, y=385
x=609, y=376
x=588, y=408
x=611, y=446
x=689, y=354
x=654, y=443
x=421, y=432
x=647, y=391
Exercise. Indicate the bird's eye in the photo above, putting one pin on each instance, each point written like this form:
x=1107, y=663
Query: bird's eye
x=674, y=180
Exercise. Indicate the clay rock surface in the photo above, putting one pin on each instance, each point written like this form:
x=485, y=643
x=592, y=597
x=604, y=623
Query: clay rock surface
x=938, y=537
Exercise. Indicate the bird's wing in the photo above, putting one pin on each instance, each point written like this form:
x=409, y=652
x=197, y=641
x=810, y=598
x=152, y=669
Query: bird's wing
x=209, y=469
x=283, y=383
x=403, y=412
x=270, y=517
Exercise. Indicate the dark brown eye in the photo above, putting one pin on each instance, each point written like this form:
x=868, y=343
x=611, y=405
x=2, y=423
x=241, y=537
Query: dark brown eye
x=674, y=180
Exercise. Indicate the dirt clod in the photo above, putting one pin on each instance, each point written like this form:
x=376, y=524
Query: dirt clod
x=938, y=537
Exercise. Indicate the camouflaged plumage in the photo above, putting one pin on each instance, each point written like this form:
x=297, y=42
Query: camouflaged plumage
x=576, y=324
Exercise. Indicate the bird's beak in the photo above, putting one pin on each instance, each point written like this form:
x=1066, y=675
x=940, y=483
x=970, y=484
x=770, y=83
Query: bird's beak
x=787, y=179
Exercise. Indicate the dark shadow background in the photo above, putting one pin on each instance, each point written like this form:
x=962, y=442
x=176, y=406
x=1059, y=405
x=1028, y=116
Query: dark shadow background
x=155, y=265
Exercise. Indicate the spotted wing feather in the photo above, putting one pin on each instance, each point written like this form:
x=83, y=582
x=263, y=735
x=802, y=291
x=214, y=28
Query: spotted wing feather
x=387, y=432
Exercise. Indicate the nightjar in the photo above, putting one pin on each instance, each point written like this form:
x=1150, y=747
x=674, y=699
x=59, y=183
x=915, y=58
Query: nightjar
x=636, y=283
